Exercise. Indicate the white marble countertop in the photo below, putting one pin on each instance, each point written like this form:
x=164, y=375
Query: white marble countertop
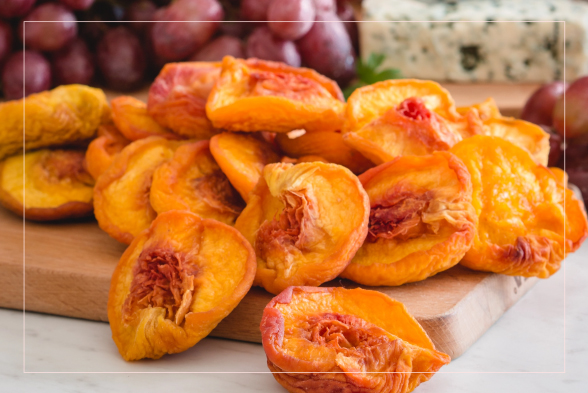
x=530, y=349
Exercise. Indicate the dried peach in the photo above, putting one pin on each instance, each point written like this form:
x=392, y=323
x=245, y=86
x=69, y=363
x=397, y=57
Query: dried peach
x=486, y=109
x=242, y=158
x=370, y=102
x=421, y=221
x=328, y=145
x=192, y=180
x=257, y=95
x=177, y=98
x=131, y=118
x=345, y=340
x=407, y=129
x=523, y=228
x=101, y=151
x=64, y=115
x=305, y=222
x=175, y=282
x=121, y=195
x=55, y=183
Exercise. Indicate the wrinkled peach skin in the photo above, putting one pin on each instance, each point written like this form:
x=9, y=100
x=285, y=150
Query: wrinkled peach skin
x=132, y=120
x=101, y=151
x=322, y=340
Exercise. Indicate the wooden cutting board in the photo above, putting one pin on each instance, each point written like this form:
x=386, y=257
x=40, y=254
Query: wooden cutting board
x=68, y=268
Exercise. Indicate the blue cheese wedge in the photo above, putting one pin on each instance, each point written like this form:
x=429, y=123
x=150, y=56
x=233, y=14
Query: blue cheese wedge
x=478, y=40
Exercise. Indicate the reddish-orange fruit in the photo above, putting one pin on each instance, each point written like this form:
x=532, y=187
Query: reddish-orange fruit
x=257, y=95
x=345, y=340
x=132, y=120
x=421, y=221
x=305, y=222
x=101, y=151
x=55, y=183
x=192, y=180
x=242, y=158
x=177, y=98
x=523, y=229
x=175, y=282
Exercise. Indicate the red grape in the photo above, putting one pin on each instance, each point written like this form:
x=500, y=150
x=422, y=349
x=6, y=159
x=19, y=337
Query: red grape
x=264, y=45
x=290, y=19
x=255, y=10
x=346, y=13
x=177, y=40
x=579, y=178
x=140, y=13
x=576, y=112
x=73, y=64
x=5, y=41
x=48, y=36
x=235, y=28
x=99, y=12
x=121, y=58
x=78, y=4
x=220, y=47
x=15, y=8
x=539, y=107
x=327, y=48
x=555, y=145
x=325, y=5
x=37, y=74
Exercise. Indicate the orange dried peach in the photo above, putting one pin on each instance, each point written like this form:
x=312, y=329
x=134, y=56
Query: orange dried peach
x=370, y=102
x=131, y=118
x=305, y=222
x=192, y=180
x=408, y=129
x=242, y=158
x=312, y=158
x=523, y=228
x=256, y=95
x=560, y=175
x=55, y=183
x=345, y=340
x=177, y=98
x=328, y=145
x=486, y=109
x=175, y=282
x=101, y=151
x=121, y=194
x=421, y=221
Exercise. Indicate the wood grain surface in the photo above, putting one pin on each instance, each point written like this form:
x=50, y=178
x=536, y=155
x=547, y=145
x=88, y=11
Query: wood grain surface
x=68, y=267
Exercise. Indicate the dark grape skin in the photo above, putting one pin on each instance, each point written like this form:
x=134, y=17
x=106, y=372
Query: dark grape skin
x=140, y=13
x=327, y=48
x=48, y=36
x=77, y=5
x=290, y=19
x=263, y=45
x=555, y=146
x=175, y=41
x=325, y=5
x=576, y=112
x=220, y=47
x=579, y=177
x=37, y=74
x=5, y=41
x=255, y=10
x=73, y=64
x=15, y=8
x=539, y=107
x=121, y=59
x=346, y=13
x=100, y=11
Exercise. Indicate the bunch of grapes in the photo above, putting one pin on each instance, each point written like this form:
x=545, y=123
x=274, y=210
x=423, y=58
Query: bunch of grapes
x=566, y=120
x=122, y=44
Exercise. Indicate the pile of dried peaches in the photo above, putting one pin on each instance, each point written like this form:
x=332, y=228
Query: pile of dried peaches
x=250, y=172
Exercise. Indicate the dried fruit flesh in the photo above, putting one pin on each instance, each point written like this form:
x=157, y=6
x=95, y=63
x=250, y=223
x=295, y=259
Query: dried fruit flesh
x=192, y=180
x=131, y=118
x=242, y=158
x=523, y=227
x=121, y=195
x=370, y=102
x=305, y=222
x=421, y=221
x=46, y=185
x=175, y=282
x=101, y=151
x=58, y=117
x=177, y=98
x=257, y=95
x=345, y=340
x=328, y=145
x=410, y=128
